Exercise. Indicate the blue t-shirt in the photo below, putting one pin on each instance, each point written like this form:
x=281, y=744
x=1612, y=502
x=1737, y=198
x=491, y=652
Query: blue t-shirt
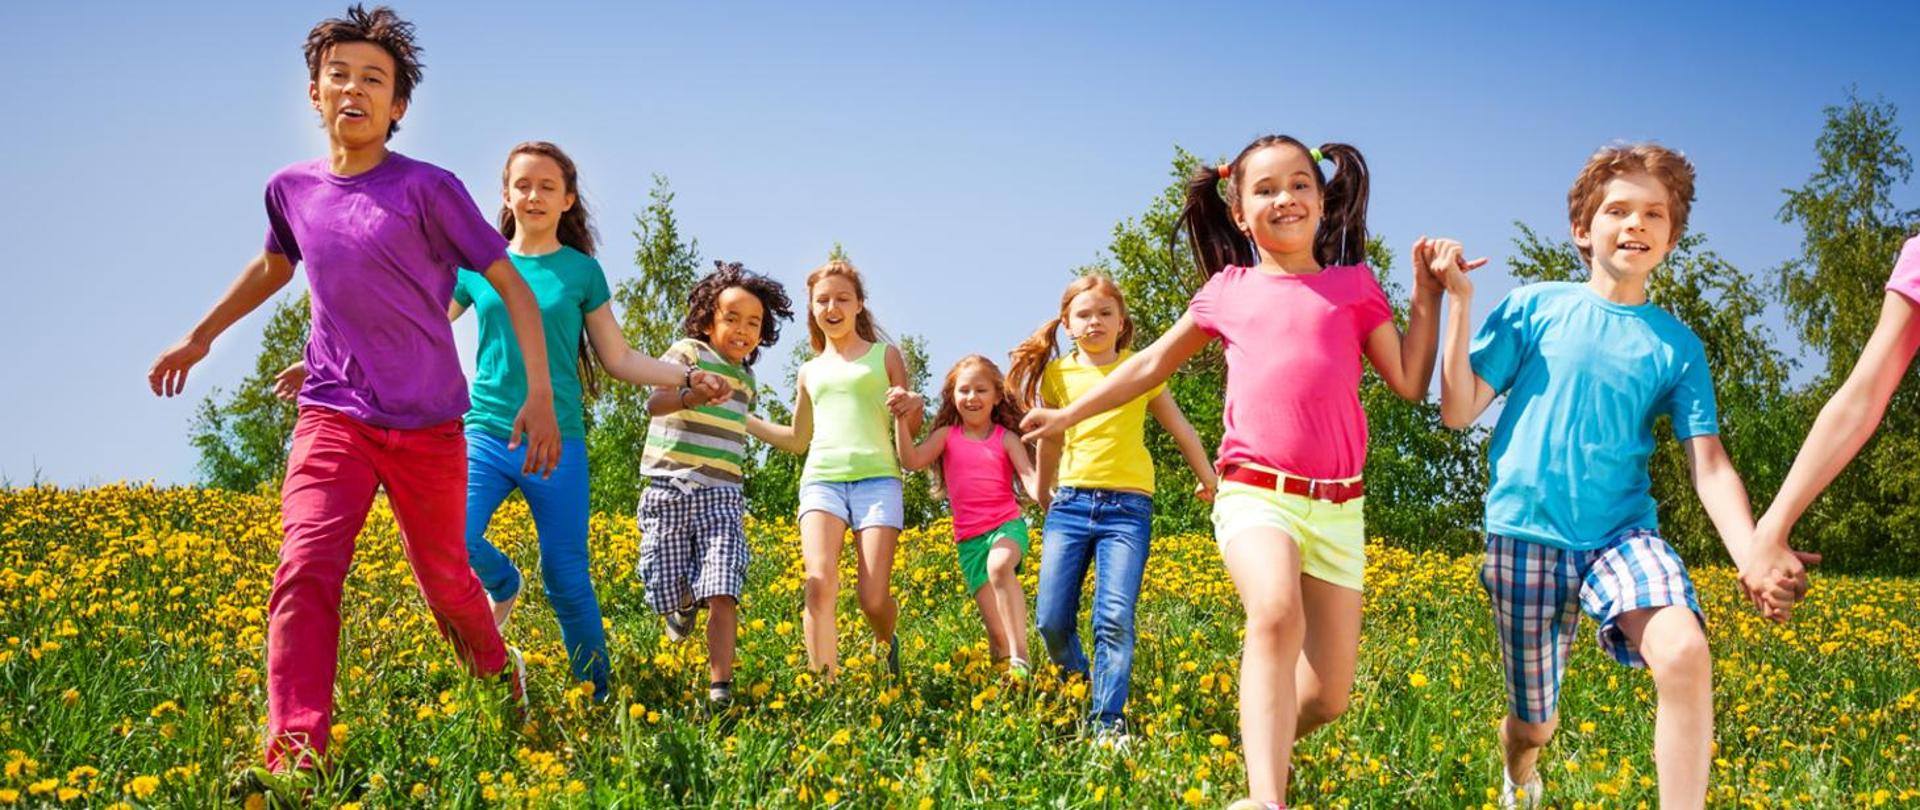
x=567, y=284
x=1584, y=379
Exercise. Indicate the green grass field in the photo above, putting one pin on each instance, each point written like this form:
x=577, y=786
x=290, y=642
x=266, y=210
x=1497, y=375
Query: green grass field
x=131, y=672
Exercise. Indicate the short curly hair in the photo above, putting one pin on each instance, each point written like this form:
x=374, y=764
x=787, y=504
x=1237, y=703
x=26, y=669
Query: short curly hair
x=1669, y=166
x=382, y=27
x=705, y=300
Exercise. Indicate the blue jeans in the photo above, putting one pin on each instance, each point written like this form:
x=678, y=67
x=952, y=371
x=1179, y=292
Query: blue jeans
x=1110, y=530
x=559, y=506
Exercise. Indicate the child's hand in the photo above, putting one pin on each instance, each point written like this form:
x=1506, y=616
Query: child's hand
x=1042, y=423
x=709, y=387
x=542, y=431
x=286, y=384
x=1446, y=260
x=1774, y=576
x=901, y=402
x=168, y=376
x=1425, y=279
x=1205, y=491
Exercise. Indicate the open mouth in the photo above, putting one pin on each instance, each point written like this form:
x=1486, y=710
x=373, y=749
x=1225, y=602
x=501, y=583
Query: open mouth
x=352, y=112
x=1634, y=247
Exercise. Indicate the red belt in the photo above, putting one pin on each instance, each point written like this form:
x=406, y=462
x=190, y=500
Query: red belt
x=1329, y=491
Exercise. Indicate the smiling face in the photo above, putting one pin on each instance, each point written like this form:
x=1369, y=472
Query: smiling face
x=1279, y=201
x=1632, y=229
x=735, y=331
x=975, y=393
x=354, y=94
x=536, y=193
x=834, y=305
x=1093, y=321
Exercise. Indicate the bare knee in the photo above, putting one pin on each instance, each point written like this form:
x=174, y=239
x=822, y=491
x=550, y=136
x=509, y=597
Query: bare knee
x=1678, y=657
x=822, y=589
x=1001, y=566
x=875, y=597
x=1273, y=619
x=1322, y=708
x=1529, y=735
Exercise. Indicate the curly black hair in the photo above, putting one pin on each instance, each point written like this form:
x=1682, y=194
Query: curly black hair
x=705, y=299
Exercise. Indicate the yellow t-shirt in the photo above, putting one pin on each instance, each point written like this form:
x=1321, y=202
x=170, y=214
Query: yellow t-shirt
x=1108, y=450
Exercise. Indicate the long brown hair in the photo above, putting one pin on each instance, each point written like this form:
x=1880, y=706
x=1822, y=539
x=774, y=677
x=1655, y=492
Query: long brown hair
x=1212, y=201
x=863, y=324
x=575, y=231
x=1030, y=358
x=1007, y=413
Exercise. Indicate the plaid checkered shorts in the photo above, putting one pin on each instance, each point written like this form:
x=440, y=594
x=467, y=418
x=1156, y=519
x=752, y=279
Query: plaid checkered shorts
x=693, y=544
x=1538, y=592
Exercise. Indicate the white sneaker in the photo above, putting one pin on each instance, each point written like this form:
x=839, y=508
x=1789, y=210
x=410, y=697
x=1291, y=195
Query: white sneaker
x=680, y=622
x=1520, y=797
x=502, y=610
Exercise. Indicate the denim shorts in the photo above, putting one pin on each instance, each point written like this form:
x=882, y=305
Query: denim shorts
x=861, y=504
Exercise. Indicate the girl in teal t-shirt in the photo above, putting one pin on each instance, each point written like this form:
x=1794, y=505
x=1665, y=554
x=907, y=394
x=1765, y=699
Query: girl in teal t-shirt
x=550, y=241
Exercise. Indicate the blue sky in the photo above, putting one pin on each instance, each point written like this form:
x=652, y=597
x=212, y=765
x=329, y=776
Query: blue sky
x=967, y=155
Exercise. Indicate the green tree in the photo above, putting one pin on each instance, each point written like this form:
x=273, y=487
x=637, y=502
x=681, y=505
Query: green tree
x=923, y=504
x=243, y=437
x=1760, y=418
x=651, y=307
x=1851, y=231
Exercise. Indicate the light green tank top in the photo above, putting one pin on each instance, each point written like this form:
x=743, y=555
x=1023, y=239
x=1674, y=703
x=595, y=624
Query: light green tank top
x=852, y=430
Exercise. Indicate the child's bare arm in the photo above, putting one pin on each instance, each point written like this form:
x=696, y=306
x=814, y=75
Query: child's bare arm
x=263, y=277
x=792, y=438
x=1023, y=465
x=897, y=375
x=629, y=365
x=1167, y=412
x=1848, y=419
x=1463, y=395
x=1405, y=362
x=917, y=457
x=1139, y=374
x=1773, y=577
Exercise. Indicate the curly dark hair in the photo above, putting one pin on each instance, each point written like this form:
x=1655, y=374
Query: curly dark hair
x=705, y=299
x=382, y=27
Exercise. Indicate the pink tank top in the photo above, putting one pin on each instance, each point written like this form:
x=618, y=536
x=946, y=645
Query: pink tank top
x=979, y=479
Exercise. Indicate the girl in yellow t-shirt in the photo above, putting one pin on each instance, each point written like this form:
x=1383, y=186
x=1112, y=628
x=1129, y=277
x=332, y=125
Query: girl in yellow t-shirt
x=1102, y=513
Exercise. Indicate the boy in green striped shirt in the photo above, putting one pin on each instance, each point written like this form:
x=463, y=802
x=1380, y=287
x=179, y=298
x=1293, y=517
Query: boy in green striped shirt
x=693, y=547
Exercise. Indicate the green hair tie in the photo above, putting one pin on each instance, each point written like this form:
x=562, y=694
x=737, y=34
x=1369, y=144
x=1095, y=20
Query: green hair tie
x=1317, y=157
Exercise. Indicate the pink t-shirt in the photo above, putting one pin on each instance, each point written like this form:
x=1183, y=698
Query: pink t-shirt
x=979, y=479
x=1294, y=345
x=1906, y=271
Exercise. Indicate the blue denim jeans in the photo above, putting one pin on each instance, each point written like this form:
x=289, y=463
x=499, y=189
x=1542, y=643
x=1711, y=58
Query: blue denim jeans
x=559, y=506
x=1110, y=530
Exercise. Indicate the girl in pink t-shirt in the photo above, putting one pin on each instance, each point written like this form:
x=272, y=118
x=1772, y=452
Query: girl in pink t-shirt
x=1289, y=295
x=976, y=438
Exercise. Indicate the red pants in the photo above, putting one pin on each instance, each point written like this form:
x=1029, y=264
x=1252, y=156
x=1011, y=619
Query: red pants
x=336, y=464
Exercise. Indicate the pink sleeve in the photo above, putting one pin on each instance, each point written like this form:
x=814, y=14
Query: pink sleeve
x=1372, y=309
x=1906, y=271
x=1205, y=304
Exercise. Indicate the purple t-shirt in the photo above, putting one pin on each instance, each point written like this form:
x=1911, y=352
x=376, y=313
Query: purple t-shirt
x=382, y=249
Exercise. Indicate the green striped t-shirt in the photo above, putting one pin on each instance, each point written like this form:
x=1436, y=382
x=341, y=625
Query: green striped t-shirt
x=704, y=445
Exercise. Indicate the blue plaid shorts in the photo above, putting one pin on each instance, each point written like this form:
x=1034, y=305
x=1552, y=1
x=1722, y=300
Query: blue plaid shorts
x=1538, y=592
x=693, y=544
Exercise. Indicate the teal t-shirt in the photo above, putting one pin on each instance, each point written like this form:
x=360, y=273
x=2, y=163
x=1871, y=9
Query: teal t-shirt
x=567, y=284
x=1584, y=378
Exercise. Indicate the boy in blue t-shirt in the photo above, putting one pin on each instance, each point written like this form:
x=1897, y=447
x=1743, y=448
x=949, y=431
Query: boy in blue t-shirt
x=1571, y=522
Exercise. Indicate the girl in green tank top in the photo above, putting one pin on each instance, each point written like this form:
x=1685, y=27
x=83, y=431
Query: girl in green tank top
x=847, y=398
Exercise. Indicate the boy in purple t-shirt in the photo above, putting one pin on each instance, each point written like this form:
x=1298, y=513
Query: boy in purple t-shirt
x=382, y=236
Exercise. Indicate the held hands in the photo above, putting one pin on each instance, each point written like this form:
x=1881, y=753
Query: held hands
x=286, y=384
x=1442, y=264
x=1774, y=576
x=536, y=422
x=901, y=402
x=168, y=376
x=706, y=387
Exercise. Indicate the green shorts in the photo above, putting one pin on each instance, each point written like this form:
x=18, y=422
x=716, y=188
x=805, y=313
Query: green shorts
x=973, y=551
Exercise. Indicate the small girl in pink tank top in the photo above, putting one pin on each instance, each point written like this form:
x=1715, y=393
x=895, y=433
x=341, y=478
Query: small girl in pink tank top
x=976, y=439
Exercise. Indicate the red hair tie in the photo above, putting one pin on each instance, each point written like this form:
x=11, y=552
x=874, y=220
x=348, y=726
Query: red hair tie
x=1226, y=170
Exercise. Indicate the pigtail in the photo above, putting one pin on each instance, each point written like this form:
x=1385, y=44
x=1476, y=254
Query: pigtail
x=1028, y=363
x=1213, y=237
x=1342, y=238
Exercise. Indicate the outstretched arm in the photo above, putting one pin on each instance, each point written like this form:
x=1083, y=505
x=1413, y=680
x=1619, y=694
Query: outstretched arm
x=1167, y=412
x=1139, y=374
x=263, y=277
